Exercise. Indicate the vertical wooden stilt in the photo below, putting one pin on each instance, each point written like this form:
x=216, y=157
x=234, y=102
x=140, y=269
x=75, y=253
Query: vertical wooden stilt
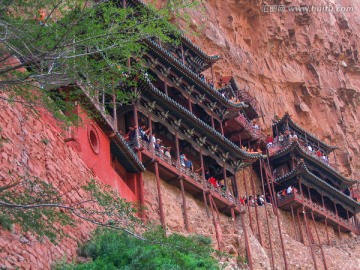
x=186, y=220
x=162, y=216
x=248, y=204
x=247, y=244
x=301, y=233
x=216, y=225
x=321, y=248
x=252, y=184
x=267, y=220
x=293, y=219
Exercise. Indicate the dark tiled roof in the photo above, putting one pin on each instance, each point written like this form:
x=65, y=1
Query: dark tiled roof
x=296, y=127
x=147, y=86
x=321, y=185
x=295, y=146
x=185, y=71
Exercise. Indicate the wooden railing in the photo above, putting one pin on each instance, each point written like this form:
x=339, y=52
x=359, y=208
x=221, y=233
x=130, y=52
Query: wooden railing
x=282, y=200
x=181, y=169
x=255, y=133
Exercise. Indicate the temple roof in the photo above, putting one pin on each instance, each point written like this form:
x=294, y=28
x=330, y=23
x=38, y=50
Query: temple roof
x=184, y=71
x=295, y=147
x=310, y=137
x=320, y=185
x=182, y=113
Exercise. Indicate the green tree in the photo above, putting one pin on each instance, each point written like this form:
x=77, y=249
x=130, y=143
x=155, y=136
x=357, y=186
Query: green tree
x=111, y=249
x=45, y=44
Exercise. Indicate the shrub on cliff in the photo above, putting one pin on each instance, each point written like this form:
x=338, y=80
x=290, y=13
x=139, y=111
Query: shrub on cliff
x=111, y=249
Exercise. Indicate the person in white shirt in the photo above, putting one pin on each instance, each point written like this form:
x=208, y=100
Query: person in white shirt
x=289, y=190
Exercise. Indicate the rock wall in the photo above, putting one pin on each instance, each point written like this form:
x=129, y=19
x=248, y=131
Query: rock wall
x=34, y=146
x=304, y=63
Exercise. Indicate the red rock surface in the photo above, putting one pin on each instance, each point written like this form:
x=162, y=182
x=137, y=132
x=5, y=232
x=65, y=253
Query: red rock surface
x=303, y=63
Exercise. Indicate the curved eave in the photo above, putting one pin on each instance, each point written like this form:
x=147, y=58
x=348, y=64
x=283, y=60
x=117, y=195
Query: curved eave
x=286, y=117
x=201, y=127
x=118, y=144
x=302, y=170
x=184, y=70
x=294, y=146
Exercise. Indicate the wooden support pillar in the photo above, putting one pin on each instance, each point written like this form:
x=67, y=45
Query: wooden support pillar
x=204, y=181
x=233, y=218
x=225, y=183
x=114, y=104
x=309, y=239
x=160, y=201
x=221, y=127
x=247, y=244
x=326, y=227
x=216, y=225
x=301, y=232
x=256, y=209
x=178, y=165
x=140, y=178
x=186, y=220
x=293, y=219
x=212, y=122
x=267, y=218
x=307, y=228
x=166, y=88
x=317, y=236
x=248, y=202
x=189, y=103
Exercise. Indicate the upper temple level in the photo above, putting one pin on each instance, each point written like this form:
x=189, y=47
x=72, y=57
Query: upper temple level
x=286, y=126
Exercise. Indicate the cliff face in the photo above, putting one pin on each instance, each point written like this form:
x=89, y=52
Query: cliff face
x=304, y=63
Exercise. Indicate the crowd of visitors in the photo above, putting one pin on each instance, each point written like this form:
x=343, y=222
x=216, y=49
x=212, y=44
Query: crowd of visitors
x=259, y=200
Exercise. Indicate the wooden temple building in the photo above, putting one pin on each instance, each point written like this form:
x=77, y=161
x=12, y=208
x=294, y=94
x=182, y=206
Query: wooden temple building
x=176, y=113
x=301, y=160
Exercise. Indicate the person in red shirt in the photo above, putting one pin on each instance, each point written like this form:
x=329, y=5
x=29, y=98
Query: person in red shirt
x=269, y=141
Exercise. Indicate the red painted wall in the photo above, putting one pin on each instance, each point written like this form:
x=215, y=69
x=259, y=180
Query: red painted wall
x=100, y=162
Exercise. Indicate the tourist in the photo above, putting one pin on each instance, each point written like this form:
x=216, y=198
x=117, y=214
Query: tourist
x=255, y=125
x=309, y=148
x=260, y=200
x=202, y=77
x=294, y=136
x=153, y=140
x=213, y=182
x=318, y=153
x=269, y=141
x=143, y=133
x=182, y=159
x=167, y=152
x=211, y=83
x=187, y=163
x=289, y=190
x=207, y=174
x=281, y=138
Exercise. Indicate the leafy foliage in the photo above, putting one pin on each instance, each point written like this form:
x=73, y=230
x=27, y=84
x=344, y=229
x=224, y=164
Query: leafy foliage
x=40, y=208
x=41, y=220
x=47, y=44
x=111, y=249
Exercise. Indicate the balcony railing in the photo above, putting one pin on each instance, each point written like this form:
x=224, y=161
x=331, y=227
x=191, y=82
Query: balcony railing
x=255, y=133
x=282, y=200
x=181, y=169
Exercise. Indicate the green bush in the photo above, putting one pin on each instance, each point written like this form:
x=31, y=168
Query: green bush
x=111, y=249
